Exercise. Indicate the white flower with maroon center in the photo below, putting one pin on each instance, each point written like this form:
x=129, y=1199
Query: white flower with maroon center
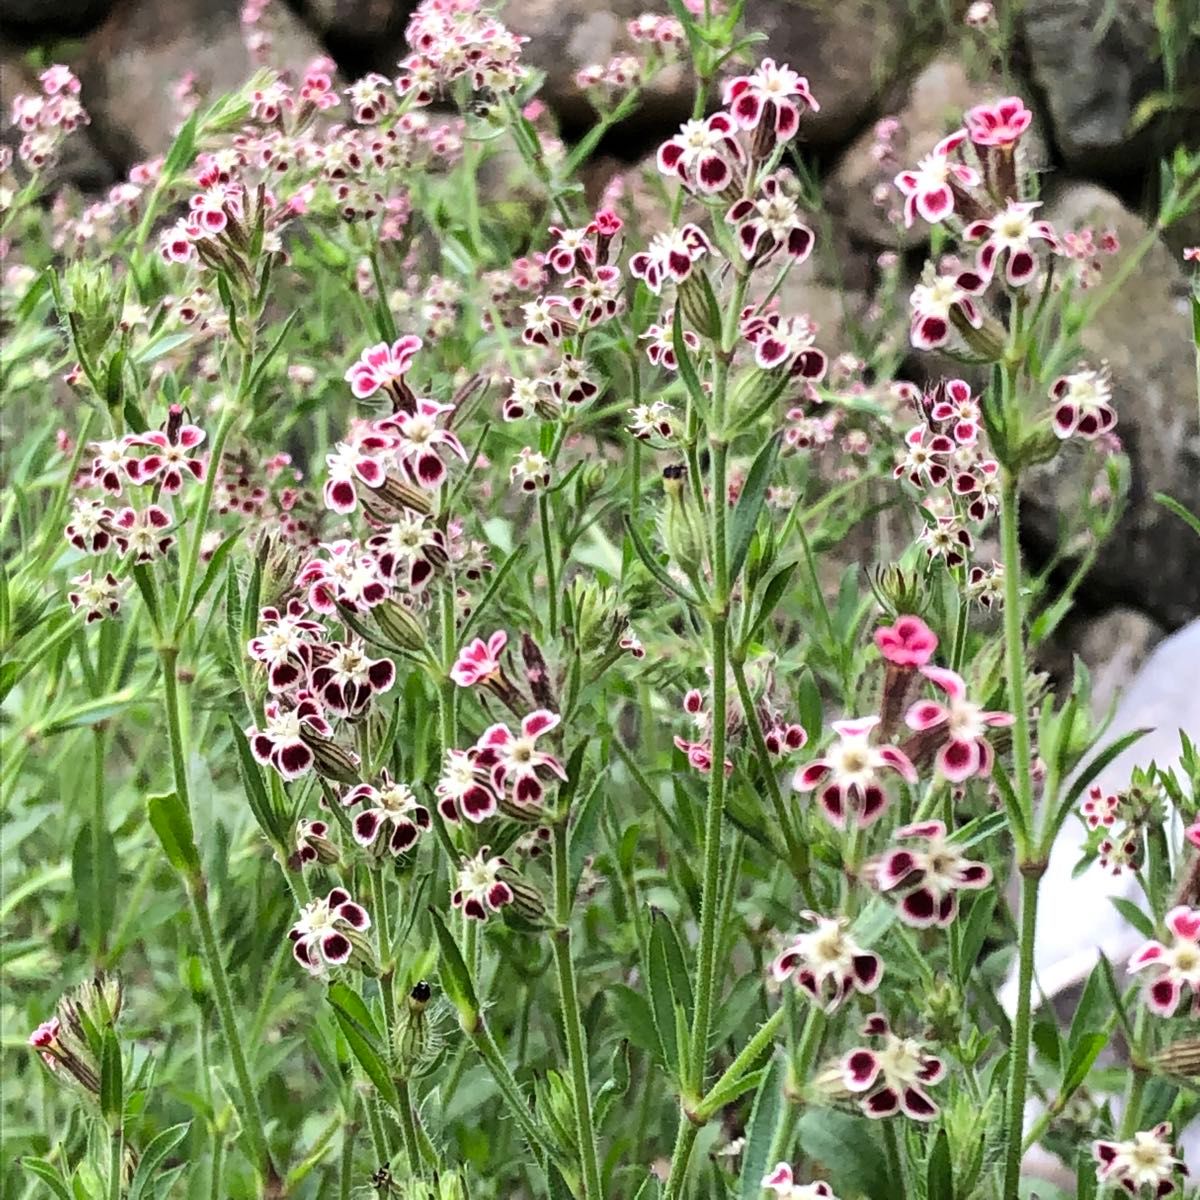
x=598, y=297
x=1176, y=964
x=141, y=533
x=770, y=94
x=349, y=679
x=786, y=342
x=391, y=818
x=1144, y=1165
x=965, y=752
x=1083, y=404
x=783, y=1184
x=923, y=463
x=1011, y=233
x=346, y=576
x=572, y=251
x=928, y=876
x=701, y=152
x=827, y=963
x=464, y=788
x=670, y=257
x=927, y=190
x=892, y=1079
x=89, y=527
x=281, y=744
x=848, y=775
x=530, y=470
x=653, y=419
x=280, y=645
x=410, y=546
x=349, y=464
x=170, y=460
x=99, y=597
x=770, y=221
x=322, y=937
x=109, y=462
x=934, y=301
x=419, y=437
x=543, y=320
x=480, y=889
x=515, y=760
x=960, y=408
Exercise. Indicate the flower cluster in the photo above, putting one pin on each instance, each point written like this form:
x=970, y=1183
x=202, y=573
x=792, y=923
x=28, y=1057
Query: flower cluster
x=45, y=120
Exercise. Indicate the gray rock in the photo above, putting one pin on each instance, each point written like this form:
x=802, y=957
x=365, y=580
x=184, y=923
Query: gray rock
x=52, y=19
x=356, y=21
x=1143, y=333
x=1096, y=62
x=132, y=62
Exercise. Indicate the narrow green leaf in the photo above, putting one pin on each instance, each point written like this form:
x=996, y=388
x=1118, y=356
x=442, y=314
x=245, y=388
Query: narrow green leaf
x=808, y=698
x=632, y=1013
x=652, y=565
x=939, y=1170
x=1168, y=502
x=112, y=1080
x=256, y=793
x=49, y=1174
x=1134, y=915
x=687, y=369
x=364, y=1041
x=846, y=1147
x=173, y=825
x=153, y=1154
x=220, y=554
x=760, y=1132
x=1082, y=1058
x=750, y=504
x=179, y=156
x=456, y=979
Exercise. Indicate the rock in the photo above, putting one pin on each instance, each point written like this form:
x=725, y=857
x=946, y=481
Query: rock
x=356, y=20
x=847, y=51
x=933, y=107
x=566, y=35
x=1143, y=333
x=1097, y=62
x=51, y=20
x=131, y=64
x=80, y=163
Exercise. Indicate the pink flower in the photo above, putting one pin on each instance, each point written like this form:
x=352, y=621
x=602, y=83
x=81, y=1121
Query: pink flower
x=383, y=366
x=481, y=890
x=352, y=463
x=346, y=678
x=418, y=437
x=1010, y=235
x=169, y=460
x=1175, y=966
x=908, y=643
x=479, y=661
x=464, y=788
x=785, y=343
x=514, y=760
x=670, y=257
x=1191, y=254
x=142, y=533
x=781, y=1182
x=929, y=190
x=893, y=1079
x=1145, y=1165
x=929, y=878
x=965, y=752
x=328, y=933
x=923, y=463
x=938, y=300
x=848, y=775
x=572, y=250
x=953, y=402
x=827, y=964
x=1083, y=405
x=1100, y=809
x=704, y=154
x=1000, y=124
x=345, y=576
x=769, y=222
x=1192, y=833
x=282, y=743
x=281, y=644
x=769, y=96
x=390, y=820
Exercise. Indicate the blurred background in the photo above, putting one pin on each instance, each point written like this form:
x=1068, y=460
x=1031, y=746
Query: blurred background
x=1115, y=85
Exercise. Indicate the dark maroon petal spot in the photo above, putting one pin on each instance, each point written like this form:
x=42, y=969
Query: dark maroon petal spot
x=882, y=1103
x=353, y=914
x=918, y=1105
x=403, y=836
x=918, y=907
x=862, y=1066
x=335, y=948
x=867, y=969
x=294, y=759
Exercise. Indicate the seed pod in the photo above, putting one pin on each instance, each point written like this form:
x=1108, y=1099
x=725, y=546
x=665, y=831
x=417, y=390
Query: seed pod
x=698, y=304
x=412, y=1038
x=398, y=623
x=1181, y=1059
x=333, y=760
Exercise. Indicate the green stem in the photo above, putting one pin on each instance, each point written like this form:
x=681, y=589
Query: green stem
x=1018, y=1049
x=99, y=827
x=346, y=1162
x=251, y=1115
x=685, y=1139
x=216, y=1178
x=551, y=566
x=116, y=1152
x=572, y=1021
x=408, y=1126
x=509, y=1088
x=892, y=1149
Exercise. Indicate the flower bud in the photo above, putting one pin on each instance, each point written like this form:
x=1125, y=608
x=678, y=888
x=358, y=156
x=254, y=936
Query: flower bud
x=699, y=305
x=537, y=674
x=394, y=493
x=679, y=524
x=333, y=760
x=527, y=908
x=1181, y=1059
x=398, y=623
x=412, y=1038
